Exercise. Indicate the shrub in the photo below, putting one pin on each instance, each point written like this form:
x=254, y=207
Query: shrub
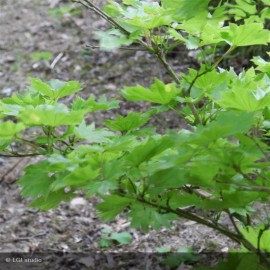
x=220, y=165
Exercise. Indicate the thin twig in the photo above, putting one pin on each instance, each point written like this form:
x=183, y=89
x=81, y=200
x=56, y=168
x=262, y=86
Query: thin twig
x=121, y=48
x=233, y=222
x=222, y=57
x=17, y=155
x=22, y=238
x=169, y=69
x=246, y=187
x=147, y=47
x=10, y=170
x=260, y=148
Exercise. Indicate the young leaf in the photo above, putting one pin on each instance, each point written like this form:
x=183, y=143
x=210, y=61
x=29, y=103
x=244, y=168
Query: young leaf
x=91, y=105
x=123, y=238
x=223, y=127
x=262, y=65
x=55, y=89
x=130, y=122
x=49, y=115
x=28, y=98
x=186, y=9
x=38, y=56
x=241, y=97
x=8, y=130
x=93, y=135
x=252, y=234
x=242, y=9
x=245, y=35
x=112, y=39
x=159, y=93
x=140, y=15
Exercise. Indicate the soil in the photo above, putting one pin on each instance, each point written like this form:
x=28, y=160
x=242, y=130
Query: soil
x=26, y=27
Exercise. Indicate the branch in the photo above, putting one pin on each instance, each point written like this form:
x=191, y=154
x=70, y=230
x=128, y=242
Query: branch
x=190, y=216
x=121, y=48
x=10, y=170
x=169, y=69
x=106, y=17
x=20, y=155
x=222, y=57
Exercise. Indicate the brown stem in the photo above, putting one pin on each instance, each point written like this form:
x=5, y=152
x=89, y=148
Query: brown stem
x=169, y=69
x=20, y=155
x=190, y=216
x=235, y=237
x=233, y=222
x=10, y=170
x=247, y=187
x=161, y=58
x=222, y=57
x=106, y=17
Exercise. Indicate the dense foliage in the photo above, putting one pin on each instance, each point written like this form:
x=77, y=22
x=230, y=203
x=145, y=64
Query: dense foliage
x=220, y=165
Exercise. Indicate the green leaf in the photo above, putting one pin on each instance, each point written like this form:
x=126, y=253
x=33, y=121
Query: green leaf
x=140, y=14
x=112, y=39
x=242, y=9
x=109, y=178
x=144, y=217
x=38, y=56
x=164, y=249
x=104, y=243
x=244, y=98
x=164, y=179
x=93, y=135
x=12, y=105
x=4, y=144
x=123, y=238
x=112, y=206
x=41, y=87
x=36, y=180
x=49, y=115
x=55, y=89
x=130, y=122
x=186, y=9
x=52, y=200
x=237, y=261
x=176, y=35
x=266, y=2
x=147, y=150
x=78, y=177
x=205, y=84
x=67, y=89
x=100, y=187
x=245, y=35
x=224, y=127
x=252, y=234
x=184, y=255
x=91, y=105
x=121, y=143
x=8, y=130
x=159, y=93
x=262, y=65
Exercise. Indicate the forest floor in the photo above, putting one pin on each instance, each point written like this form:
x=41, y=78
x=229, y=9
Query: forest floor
x=27, y=27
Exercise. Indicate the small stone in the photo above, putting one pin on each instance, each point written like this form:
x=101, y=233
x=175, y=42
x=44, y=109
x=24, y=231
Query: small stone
x=77, y=202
